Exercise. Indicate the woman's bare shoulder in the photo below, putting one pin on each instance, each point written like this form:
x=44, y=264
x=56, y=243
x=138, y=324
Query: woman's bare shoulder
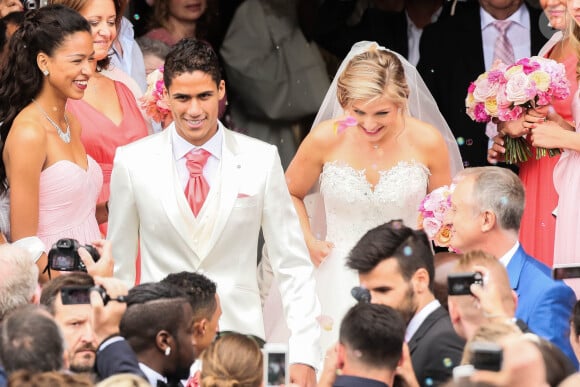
x=326, y=134
x=27, y=129
x=424, y=134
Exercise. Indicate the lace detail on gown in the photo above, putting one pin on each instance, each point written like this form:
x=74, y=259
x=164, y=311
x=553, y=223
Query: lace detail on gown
x=354, y=206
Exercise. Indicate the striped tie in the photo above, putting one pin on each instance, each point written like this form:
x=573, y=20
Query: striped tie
x=503, y=49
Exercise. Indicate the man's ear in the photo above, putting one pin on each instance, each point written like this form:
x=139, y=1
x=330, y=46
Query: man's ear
x=221, y=89
x=420, y=281
x=340, y=356
x=199, y=328
x=163, y=341
x=488, y=220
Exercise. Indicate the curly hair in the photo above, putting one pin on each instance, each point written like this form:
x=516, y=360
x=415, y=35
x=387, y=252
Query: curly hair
x=234, y=360
x=44, y=30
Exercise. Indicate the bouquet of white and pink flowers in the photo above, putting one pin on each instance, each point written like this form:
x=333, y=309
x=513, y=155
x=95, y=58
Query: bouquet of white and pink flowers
x=152, y=102
x=434, y=216
x=505, y=93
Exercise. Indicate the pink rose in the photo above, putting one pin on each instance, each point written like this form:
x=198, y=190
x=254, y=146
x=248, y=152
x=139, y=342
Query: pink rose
x=518, y=89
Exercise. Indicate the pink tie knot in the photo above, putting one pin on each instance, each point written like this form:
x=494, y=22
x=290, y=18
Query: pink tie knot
x=502, y=25
x=195, y=161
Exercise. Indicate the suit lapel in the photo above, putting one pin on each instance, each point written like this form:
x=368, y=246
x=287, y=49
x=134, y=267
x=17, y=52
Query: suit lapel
x=229, y=176
x=424, y=328
x=172, y=197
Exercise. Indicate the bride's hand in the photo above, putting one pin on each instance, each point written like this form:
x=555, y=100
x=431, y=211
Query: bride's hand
x=318, y=250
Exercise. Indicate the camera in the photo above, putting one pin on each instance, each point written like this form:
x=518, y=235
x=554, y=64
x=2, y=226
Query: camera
x=33, y=4
x=458, y=284
x=74, y=295
x=566, y=271
x=276, y=364
x=63, y=256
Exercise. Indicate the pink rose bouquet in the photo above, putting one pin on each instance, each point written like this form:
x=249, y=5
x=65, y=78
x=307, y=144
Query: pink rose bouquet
x=505, y=93
x=433, y=216
x=152, y=102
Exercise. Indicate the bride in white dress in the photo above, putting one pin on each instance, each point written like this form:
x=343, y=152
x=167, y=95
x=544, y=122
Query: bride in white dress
x=372, y=159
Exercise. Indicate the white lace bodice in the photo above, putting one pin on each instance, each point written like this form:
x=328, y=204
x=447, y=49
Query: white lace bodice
x=353, y=206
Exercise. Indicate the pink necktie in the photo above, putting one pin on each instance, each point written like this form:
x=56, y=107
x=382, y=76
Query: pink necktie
x=503, y=49
x=197, y=187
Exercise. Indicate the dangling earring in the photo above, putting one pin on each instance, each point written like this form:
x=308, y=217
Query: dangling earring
x=45, y=72
x=167, y=351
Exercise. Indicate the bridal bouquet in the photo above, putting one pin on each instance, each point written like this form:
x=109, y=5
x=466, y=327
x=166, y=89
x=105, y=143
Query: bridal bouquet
x=433, y=216
x=152, y=102
x=505, y=92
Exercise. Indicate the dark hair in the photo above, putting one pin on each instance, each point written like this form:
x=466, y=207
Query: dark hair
x=558, y=365
x=44, y=30
x=200, y=291
x=25, y=378
x=190, y=55
x=142, y=322
x=16, y=18
x=152, y=291
x=31, y=340
x=51, y=289
x=409, y=247
x=376, y=331
x=153, y=47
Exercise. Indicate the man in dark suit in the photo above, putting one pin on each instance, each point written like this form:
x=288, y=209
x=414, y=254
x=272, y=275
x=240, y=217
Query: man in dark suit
x=397, y=27
x=487, y=206
x=395, y=264
x=454, y=51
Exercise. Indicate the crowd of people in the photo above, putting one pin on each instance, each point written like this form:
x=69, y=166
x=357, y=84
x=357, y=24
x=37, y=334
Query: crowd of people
x=146, y=251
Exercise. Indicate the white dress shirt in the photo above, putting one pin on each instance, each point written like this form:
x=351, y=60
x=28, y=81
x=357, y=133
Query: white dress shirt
x=418, y=319
x=181, y=147
x=414, y=36
x=518, y=34
x=152, y=375
x=507, y=257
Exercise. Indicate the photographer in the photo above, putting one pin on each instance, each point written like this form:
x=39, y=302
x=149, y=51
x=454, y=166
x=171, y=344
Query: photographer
x=82, y=315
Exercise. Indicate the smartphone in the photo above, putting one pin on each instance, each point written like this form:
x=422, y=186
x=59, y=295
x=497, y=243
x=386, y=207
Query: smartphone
x=566, y=270
x=74, y=295
x=486, y=356
x=458, y=284
x=276, y=364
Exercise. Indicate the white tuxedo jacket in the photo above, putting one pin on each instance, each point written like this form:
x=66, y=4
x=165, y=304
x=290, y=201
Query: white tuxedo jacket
x=149, y=211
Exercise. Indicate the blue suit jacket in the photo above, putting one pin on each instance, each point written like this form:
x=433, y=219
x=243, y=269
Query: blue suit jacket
x=544, y=304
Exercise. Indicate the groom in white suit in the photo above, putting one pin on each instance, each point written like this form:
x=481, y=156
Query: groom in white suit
x=150, y=214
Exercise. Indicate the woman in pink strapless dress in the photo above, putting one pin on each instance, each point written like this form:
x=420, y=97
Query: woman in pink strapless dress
x=53, y=183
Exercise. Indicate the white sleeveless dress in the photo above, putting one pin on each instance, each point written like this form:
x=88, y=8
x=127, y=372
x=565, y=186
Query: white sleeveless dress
x=352, y=207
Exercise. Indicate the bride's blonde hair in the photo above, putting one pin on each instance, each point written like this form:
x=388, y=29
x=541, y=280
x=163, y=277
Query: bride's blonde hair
x=371, y=75
x=234, y=360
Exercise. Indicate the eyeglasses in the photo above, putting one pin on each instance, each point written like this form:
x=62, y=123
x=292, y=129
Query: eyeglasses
x=258, y=340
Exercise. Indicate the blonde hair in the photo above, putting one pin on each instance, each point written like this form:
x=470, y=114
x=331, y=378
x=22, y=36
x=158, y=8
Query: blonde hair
x=371, y=75
x=232, y=361
x=573, y=31
x=491, y=333
x=123, y=380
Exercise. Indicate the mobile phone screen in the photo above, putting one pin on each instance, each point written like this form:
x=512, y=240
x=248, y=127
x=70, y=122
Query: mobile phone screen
x=72, y=295
x=276, y=369
x=566, y=271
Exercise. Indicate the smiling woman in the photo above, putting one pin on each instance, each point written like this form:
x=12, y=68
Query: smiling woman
x=53, y=183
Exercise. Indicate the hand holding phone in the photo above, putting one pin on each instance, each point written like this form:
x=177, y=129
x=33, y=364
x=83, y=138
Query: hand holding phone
x=276, y=364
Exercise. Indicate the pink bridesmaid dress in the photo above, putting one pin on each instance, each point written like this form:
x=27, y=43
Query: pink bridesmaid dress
x=101, y=136
x=567, y=183
x=67, y=199
x=538, y=225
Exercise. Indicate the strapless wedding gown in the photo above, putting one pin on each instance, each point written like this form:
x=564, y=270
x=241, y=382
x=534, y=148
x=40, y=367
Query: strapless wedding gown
x=352, y=207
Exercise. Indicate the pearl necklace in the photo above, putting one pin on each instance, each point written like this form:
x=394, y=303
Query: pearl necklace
x=63, y=134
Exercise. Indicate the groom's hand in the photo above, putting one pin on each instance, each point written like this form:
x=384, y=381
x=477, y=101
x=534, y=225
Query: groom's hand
x=302, y=375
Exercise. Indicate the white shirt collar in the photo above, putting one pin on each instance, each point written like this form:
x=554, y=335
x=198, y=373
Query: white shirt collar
x=507, y=257
x=181, y=147
x=152, y=375
x=521, y=16
x=419, y=317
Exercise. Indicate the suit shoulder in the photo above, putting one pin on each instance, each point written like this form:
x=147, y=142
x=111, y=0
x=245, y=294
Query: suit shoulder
x=542, y=278
x=149, y=142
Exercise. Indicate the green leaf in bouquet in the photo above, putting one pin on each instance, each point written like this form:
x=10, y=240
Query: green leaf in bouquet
x=517, y=150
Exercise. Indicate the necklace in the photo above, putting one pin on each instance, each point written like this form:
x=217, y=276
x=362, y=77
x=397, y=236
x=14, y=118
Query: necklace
x=63, y=134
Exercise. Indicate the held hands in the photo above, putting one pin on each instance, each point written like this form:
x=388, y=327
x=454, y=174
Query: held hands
x=489, y=296
x=302, y=375
x=328, y=374
x=318, y=250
